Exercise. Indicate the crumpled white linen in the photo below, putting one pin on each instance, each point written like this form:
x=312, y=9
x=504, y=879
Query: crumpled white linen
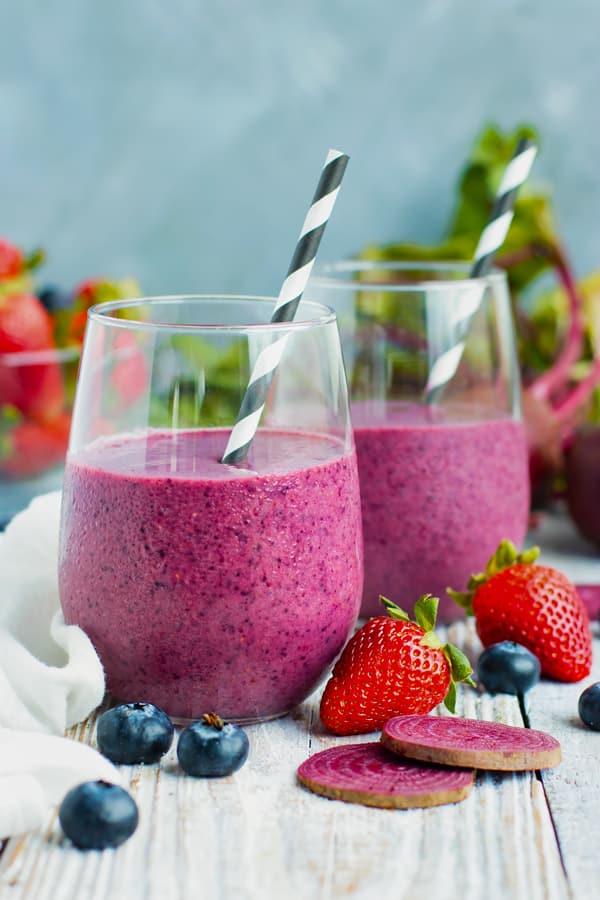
x=50, y=676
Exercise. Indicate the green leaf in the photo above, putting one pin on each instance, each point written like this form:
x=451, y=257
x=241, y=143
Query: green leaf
x=450, y=698
x=35, y=259
x=529, y=556
x=505, y=556
x=394, y=611
x=459, y=664
x=463, y=598
x=426, y=609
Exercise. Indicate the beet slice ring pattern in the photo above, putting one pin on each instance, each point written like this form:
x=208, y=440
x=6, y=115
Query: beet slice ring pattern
x=370, y=775
x=470, y=742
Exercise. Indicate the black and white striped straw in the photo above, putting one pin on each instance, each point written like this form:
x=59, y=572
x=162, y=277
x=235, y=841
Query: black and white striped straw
x=290, y=294
x=491, y=239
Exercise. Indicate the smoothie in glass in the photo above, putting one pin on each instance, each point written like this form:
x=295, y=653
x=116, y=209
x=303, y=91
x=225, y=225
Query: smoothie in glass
x=211, y=587
x=435, y=400
x=439, y=490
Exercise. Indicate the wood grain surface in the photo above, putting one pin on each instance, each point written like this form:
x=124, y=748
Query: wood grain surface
x=259, y=834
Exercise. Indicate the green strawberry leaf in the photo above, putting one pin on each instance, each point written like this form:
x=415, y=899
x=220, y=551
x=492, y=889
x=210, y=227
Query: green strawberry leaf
x=450, y=698
x=34, y=259
x=463, y=598
x=460, y=671
x=426, y=609
x=505, y=556
x=460, y=666
x=394, y=611
x=528, y=557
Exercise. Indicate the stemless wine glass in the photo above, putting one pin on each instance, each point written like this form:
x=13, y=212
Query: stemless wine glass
x=435, y=402
x=207, y=586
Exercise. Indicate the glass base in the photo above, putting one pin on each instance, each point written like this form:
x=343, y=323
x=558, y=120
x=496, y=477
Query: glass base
x=184, y=721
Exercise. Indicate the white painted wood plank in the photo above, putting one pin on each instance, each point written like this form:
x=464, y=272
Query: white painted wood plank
x=260, y=835
x=573, y=788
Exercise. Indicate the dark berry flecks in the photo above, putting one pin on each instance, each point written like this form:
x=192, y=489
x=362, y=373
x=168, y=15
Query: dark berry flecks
x=235, y=598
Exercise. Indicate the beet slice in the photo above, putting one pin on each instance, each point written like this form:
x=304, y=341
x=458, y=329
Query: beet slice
x=369, y=774
x=470, y=742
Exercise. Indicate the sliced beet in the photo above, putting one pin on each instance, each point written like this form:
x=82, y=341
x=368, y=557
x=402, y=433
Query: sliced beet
x=470, y=742
x=369, y=774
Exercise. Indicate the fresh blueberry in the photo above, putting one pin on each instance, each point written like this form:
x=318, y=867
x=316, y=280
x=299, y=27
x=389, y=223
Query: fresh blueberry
x=508, y=668
x=134, y=733
x=55, y=298
x=212, y=749
x=96, y=815
x=589, y=707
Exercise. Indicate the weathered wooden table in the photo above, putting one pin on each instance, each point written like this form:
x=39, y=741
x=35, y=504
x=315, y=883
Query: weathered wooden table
x=258, y=834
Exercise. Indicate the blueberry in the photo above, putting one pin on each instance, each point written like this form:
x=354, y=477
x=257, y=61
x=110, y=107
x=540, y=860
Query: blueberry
x=96, y=815
x=54, y=298
x=508, y=668
x=134, y=733
x=589, y=706
x=212, y=749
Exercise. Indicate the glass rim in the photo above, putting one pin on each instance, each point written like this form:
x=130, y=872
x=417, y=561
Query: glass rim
x=340, y=275
x=40, y=357
x=101, y=313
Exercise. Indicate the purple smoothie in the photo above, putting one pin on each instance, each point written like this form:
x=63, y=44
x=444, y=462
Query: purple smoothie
x=211, y=587
x=438, y=492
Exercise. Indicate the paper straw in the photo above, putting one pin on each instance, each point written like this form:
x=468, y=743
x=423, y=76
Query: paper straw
x=492, y=238
x=290, y=294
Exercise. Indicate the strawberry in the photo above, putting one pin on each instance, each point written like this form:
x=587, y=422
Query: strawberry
x=392, y=666
x=24, y=324
x=129, y=376
x=533, y=605
x=30, y=448
x=90, y=292
x=32, y=384
x=11, y=260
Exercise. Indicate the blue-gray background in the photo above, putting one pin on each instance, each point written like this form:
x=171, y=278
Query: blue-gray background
x=180, y=140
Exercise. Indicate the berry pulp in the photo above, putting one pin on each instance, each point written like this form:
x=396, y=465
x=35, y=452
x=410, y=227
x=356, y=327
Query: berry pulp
x=439, y=489
x=212, y=587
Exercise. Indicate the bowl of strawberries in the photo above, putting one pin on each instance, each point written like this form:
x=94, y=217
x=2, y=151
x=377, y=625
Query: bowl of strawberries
x=41, y=333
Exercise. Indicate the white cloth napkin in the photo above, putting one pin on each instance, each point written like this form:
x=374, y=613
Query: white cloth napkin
x=50, y=676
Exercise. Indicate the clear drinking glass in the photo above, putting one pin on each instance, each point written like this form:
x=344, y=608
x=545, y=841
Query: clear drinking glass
x=36, y=399
x=443, y=470
x=206, y=586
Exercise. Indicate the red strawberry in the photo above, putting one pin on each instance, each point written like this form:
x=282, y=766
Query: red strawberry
x=32, y=384
x=536, y=606
x=24, y=324
x=11, y=260
x=30, y=448
x=129, y=376
x=391, y=667
x=87, y=290
x=90, y=292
